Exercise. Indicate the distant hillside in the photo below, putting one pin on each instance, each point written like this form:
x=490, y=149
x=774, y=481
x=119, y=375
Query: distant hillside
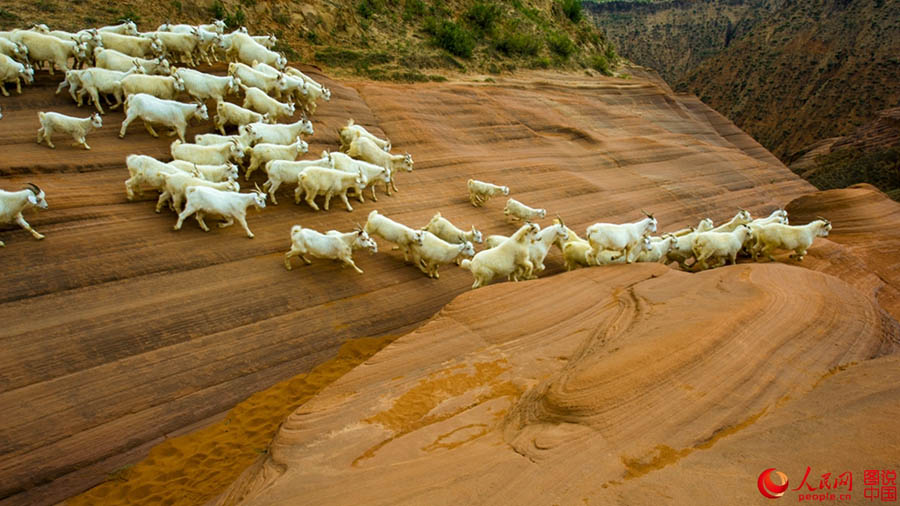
x=406, y=40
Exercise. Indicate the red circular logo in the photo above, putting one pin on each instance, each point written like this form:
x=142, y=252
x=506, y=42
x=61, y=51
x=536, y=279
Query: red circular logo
x=767, y=487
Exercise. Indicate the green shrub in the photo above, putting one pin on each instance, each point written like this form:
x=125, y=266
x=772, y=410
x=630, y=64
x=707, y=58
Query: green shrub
x=482, y=15
x=367, y=8
x=541, y=63
x=235, y=20
x=601, y=64
x=5, y=14
x=517, y=43
x=561, y=44
x=129, y=15
x=217, y=10
x=572, y=9
x=453, y=38
x=413, y=9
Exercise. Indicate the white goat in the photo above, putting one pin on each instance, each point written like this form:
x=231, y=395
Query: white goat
x=164, y=112
x=139, y=47
x=741, y=218
x=721, y=246
x=264, y=152
x=143, y=171
x=202, y=86
x=797, y=238
x=249, y=76
x=510, y=256
x=97, y=81
x=365, y=149
x=435, y=252
x=316, y=181
x=659, y=247
x=175, y=185
x=215, y=173
x=334, y=245
x=374, y=174
x=78, y=128
x=516, y=210
x=42, y=47
x=164, y=87
x=229, y=205
x=114, y=60
x=397, y=233
x=13, y=71
x=680, y=251
x=480, y=192
x=259, y=101
x=284, y=171
x=276, y=134
x=213, y=139
x=125, y=28
x=232, y=114
x=246, y=50
x=352, y=131
x=207, y=155
x=622, y=238
x=182, y=45
x=443, y=228
x=13, y=203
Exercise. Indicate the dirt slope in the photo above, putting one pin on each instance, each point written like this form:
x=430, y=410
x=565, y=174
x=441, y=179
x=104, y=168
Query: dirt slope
x=120, y=332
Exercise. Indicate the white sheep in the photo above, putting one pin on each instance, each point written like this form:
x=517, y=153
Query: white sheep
x=798, y=238
x=397, y=233
x=316, y=181
x=276, y=134
x=264, y=152
x=164, y=87
x=296, y=73
x=314, y=92
x=510, y=256
x=206, y=155
x=175, y=186
x=352, y=131
x=202, y=86
x=334, y=245
x=516, y=210
x=217, y=26
x=680, y=250
x=233, y=114
x=443, y=228
x=229, y=205
x=13, y=71
x=621, y=238
x=556, y=234
x=374, y=174
x=435, y=252
x=259, y=101
x=721, y=246
x=480, y=192
x=285, y=171
x=78, y=128
x=215, y=173
x=364, y=149
x=150, y=109
x=13, y=203
x=143, y=171
x=576, y=251
x=14, y=50
x=140, y=47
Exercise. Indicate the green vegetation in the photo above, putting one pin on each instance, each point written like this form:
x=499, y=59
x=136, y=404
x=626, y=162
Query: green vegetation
x=129, y=15
x=561, y=44
x=572, y=9
x=845, y=167
x=453, y=37
x=483, y=15
x=413, y=9
x=368, y=8
x=514, y=43
x=8, y=16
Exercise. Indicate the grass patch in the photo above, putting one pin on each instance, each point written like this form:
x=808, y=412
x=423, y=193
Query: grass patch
x=451, y=36
x=845, y=167
x=482, y=16
x=217, y=10
x=571, y=9
x=413, y=9
x=368, y=8
x=129, y=15
x=600, y=63
x=514, y=43
x=561, y=44
x=286, y=50
x=7, y=16
x=45, y=6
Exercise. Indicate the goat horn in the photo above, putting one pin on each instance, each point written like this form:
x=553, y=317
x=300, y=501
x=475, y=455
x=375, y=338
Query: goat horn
x=256, y=185
x=33, y=187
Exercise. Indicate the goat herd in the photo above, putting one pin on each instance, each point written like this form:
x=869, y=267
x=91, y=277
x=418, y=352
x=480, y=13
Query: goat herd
x=136, y=70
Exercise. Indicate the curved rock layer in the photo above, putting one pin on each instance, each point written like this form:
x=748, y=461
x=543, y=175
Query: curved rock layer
x=563, y=390
x=119, y=332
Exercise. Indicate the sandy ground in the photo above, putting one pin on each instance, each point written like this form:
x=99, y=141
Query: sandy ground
x=122, y=333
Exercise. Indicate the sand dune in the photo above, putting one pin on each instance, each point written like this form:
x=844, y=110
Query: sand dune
x=120, y=333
